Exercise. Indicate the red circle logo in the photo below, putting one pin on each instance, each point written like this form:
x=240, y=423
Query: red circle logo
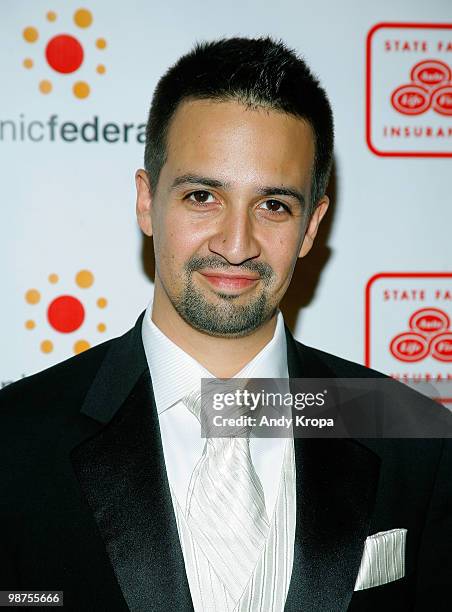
x=65, y=314
x=409, y=347
x=411, y=99
x=442, y=100
x=429, y=321
x=431, y=73
x=64, y=53
x=442, y=347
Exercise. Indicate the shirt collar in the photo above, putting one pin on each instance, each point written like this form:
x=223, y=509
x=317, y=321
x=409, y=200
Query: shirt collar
x=175, y=373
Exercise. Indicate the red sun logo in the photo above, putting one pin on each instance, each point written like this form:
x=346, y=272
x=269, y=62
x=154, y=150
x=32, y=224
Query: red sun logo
x=66, y=313
x=64, y=52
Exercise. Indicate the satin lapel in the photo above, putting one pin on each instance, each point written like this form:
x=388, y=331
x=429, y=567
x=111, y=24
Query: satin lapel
x=336, y=485
x=122, y=474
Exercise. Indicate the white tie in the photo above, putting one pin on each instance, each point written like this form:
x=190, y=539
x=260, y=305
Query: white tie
x=225, y=507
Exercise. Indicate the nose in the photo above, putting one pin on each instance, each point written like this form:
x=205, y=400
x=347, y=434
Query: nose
x=235, y=238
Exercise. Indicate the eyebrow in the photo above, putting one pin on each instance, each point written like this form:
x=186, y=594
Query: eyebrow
x=195, y=179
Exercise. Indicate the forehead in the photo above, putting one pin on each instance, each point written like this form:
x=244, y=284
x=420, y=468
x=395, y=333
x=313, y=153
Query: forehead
x=239, y=144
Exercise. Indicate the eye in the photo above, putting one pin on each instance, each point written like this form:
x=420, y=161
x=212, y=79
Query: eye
x=200, y=197
x=276, y=207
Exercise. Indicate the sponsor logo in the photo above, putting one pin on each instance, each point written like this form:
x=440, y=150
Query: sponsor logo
x=429, y=335
x=408, y=328
x=68, y=313
x=409, y=90
x=64, y=53
x=431, y=87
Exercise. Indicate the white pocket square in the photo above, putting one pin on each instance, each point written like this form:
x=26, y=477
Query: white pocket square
x=383, y=559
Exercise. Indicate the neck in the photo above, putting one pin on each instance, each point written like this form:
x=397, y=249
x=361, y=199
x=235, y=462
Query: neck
x=223, y=357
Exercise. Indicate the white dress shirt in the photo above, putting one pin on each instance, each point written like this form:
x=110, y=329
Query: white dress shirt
x=174, y=374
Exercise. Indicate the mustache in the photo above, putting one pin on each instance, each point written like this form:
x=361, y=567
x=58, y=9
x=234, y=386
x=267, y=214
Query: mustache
x=195, y=263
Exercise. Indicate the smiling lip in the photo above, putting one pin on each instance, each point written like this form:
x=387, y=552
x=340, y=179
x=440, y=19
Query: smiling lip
x=221, y=280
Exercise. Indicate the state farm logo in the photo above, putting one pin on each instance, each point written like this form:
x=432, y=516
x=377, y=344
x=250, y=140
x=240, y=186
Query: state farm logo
x=428, y=334
x=409, y=90
x=408, y=329
x=430, y=87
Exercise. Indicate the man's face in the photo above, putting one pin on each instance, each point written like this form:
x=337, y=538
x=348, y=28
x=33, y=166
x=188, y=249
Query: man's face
x=230, y=213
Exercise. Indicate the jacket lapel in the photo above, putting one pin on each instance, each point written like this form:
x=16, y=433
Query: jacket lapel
x=336, y=485
x=121, y=471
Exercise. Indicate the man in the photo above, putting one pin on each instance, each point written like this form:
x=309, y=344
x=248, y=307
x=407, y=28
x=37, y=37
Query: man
x=108, y=491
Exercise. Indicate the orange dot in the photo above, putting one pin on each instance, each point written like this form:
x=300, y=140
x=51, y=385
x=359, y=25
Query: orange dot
x=83, y=18
x=84, y=279
x=51, y=16
x=101, y=43
x=30, y=34
x=101, y=69
x=45, y=87
x=53, y=278
x=32, y=296
x=101, y=327
x=30, y=324
x=80, y=89
x=46, y=346
x=102, y=302
x=80, y=346
x=28, y=63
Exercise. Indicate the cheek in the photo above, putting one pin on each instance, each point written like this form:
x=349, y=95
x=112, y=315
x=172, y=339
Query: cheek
x=281, y=252
x=175, y=242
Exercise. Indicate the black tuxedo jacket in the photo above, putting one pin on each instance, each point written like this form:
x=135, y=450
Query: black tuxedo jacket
x=85, y=505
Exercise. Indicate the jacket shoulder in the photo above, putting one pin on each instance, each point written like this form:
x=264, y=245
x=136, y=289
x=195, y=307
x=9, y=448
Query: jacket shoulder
x=407, y=413
x=341, y=368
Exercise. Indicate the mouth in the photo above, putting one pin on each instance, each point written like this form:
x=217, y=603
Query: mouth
x=230, y=282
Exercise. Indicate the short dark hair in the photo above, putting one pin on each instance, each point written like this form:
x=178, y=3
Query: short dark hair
x=258, y=72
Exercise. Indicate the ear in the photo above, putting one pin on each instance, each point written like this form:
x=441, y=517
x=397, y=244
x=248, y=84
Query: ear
x=313, y=226
x=144, y=201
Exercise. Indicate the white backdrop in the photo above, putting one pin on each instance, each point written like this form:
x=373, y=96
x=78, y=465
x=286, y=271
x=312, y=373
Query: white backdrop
x=68, y=190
